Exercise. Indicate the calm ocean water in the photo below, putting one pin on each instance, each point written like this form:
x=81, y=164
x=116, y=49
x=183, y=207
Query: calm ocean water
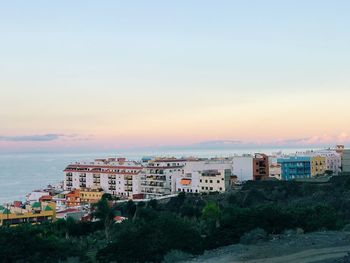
x=24, y=172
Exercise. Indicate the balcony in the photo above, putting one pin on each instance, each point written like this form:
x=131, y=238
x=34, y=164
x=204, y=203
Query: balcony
x=97, y=181
x=156, y=171
x=111, y=181
x=152, y=185
x=156, y=178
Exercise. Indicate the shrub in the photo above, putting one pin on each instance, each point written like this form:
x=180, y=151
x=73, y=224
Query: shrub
x=346, y=228
x=254, y=236
x=176, y=256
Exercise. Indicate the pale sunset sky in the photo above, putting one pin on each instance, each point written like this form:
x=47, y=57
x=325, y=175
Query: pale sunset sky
x=120, y=74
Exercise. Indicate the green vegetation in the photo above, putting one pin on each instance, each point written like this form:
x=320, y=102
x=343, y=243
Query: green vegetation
x=185, y=225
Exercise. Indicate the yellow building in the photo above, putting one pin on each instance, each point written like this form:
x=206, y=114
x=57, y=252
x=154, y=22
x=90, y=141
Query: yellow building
x=318, y=165
x=90, y=196
x=36, y=213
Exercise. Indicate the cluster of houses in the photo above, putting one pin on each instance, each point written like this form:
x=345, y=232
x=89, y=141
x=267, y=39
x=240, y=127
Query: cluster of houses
x=19, y=213
x=157, y=178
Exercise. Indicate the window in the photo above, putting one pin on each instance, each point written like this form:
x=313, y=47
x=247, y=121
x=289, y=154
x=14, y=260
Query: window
x=220, y=188
x=206, y=181
x=218, y=181
x=211, y=181
x=200, y=180
x=206, y=188
x=202, y=187
x=211, y=188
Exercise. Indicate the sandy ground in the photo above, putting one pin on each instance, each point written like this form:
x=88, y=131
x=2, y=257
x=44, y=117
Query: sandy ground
x=318, y=247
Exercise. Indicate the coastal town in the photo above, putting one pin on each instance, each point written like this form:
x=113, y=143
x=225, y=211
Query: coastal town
x=84, y=183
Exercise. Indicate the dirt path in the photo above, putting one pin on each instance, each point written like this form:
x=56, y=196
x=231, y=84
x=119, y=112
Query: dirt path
x=309, y=248
x=306, y=256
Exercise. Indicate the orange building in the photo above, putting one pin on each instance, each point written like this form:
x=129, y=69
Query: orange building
x=260, y=167
x=73, y=198
x=79, y=197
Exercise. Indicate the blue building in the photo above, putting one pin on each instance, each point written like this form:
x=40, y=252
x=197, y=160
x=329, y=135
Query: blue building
x=295, y=167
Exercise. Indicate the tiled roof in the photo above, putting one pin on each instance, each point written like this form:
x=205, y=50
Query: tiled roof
x=47, y=208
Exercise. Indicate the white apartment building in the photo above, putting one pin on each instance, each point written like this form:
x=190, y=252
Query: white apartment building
x=275, y=171
x=333, y=160
x=34, y=196
x=243, y=167
x=158, y=177
x=116, y=176
x=211, y=175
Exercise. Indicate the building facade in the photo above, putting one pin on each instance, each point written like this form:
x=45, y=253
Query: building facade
x=158, y=177
x=260, y=167
x=38, y=212
x=318, y=165
x=295, y=167
x=116, y=176
x=275, y=171
x=243, y=167
x=346, y=162
x=210, y=175
x=333, y=161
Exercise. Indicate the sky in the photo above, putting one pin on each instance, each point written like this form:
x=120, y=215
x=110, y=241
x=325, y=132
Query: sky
x=124, y=74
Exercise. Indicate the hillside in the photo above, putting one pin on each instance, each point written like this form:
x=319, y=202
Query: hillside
x=192, y=224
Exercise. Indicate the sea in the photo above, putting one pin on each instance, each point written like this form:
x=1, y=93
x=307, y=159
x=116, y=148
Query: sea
x=20, y=173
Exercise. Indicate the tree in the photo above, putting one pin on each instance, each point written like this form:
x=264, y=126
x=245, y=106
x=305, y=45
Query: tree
x=153, y=204
x=149, y=241
x=130, y=208
x=105, y=212
x=139, y=206
x=212, y=212
x=65, y=226
x=28, y=243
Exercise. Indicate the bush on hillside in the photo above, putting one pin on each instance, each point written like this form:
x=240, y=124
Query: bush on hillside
x=254, y=236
